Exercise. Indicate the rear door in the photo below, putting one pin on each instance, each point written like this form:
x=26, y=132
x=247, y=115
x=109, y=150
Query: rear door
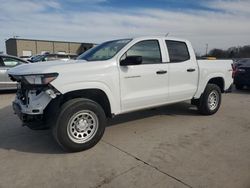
x=146, y=84
x=183, y=70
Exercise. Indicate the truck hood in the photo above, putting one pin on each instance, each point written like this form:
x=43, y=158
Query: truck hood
x=72, y=75
x=45, y=67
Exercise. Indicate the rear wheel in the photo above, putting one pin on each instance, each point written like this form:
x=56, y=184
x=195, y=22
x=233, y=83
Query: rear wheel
x=80, y=125
x=210, y=101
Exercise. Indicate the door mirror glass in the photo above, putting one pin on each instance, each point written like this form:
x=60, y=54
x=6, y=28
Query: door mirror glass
x=131, y=60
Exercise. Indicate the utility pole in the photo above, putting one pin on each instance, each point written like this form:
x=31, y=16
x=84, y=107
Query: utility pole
x=206, y=49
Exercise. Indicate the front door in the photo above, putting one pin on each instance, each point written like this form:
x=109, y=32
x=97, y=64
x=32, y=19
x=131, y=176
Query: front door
x=146, y=84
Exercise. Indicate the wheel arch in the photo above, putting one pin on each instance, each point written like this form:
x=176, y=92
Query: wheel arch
x=97, y=95
x=217, y=79
x=110, y=92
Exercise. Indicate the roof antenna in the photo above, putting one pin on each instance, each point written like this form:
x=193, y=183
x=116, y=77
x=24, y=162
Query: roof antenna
x=167, y=35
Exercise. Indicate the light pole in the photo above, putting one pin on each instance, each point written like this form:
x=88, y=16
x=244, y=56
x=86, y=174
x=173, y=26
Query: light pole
x=206, y=49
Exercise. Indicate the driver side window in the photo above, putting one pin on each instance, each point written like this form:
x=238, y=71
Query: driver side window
x=149, y=50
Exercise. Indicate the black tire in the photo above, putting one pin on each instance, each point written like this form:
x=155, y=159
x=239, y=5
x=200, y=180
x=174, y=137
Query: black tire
x=204, y=105
x=239, y=86
x=61, y=128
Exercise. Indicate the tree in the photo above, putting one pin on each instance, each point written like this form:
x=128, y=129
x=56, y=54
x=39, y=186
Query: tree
x=233, y=52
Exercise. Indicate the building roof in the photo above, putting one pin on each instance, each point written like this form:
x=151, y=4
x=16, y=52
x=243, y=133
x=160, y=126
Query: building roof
x=48, y=41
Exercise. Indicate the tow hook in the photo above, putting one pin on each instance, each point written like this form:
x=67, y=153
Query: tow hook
x=51, y=93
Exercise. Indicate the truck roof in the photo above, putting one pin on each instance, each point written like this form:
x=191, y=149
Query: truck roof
x=160, y=37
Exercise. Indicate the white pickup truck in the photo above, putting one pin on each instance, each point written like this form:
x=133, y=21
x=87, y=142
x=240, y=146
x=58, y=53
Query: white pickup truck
x=75, y=98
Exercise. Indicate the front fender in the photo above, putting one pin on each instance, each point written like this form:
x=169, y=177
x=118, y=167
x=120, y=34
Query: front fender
x=112, y=93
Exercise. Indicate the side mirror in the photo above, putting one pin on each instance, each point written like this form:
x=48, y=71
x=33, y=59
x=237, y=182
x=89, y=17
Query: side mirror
x=131, y=60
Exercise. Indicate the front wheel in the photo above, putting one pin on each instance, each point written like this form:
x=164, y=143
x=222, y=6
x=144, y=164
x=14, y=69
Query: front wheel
x=210, y=101
x=80, y=125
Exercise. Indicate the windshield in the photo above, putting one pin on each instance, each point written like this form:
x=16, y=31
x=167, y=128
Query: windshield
x=37, y=58
x=104, y=51
x=244, y=61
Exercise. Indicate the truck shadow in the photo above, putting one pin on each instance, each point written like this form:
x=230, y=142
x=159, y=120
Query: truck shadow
x=14, y=137
x=17, y=138
x=245, y=91
x=183, y=108
x=7, y=91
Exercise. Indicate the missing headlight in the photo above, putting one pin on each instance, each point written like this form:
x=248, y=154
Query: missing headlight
x=40, y=79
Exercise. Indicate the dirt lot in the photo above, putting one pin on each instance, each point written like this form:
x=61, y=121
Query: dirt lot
x=171, y=146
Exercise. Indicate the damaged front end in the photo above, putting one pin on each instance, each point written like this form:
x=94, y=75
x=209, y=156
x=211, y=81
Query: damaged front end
x=34, y=94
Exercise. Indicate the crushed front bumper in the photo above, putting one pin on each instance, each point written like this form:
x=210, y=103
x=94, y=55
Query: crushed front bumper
x=25, y=118
x=30, y=107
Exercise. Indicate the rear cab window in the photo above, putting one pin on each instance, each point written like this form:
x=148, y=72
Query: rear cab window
x=178, y=51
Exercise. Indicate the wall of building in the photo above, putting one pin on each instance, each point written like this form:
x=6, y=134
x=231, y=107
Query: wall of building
x=44, y=46
x=11, y=47
x=23, y=47
x=61, y=47
x=75, y=48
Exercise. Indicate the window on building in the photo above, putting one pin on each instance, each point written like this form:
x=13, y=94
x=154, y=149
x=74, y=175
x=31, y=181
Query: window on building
x=61, y=52
x=27, y=53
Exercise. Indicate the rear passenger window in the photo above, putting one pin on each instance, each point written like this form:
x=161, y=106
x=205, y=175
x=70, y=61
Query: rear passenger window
x=178, y=51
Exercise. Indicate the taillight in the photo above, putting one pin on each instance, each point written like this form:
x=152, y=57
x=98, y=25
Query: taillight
x=237, y=70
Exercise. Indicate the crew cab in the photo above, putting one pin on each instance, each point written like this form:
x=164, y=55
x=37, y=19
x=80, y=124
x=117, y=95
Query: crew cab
x=75, y=98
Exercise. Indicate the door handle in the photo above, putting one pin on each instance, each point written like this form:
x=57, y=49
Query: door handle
x=190, y=70
x=128, y=77
x=162, y=72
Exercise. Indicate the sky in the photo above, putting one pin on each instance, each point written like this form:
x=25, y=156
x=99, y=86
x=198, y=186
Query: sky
x=218, y=23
